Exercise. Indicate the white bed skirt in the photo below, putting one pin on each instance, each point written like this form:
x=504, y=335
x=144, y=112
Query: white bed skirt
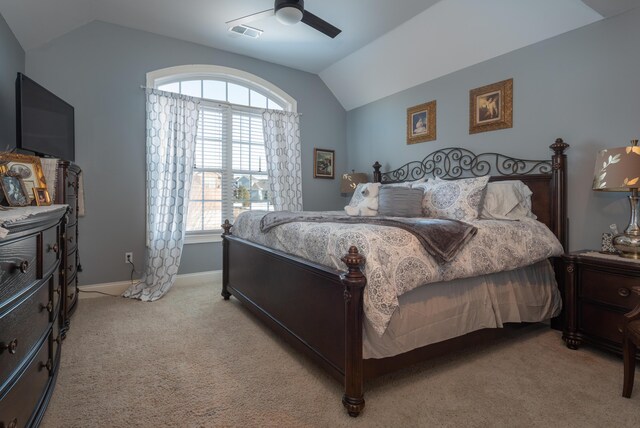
x=440, y=311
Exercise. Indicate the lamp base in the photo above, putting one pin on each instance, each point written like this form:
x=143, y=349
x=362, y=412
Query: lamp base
x=628, y=245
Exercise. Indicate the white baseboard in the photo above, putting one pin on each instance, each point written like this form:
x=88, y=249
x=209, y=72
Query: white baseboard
x=117, y=288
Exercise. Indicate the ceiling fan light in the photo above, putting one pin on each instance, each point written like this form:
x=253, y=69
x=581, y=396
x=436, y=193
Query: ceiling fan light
x=289, y=15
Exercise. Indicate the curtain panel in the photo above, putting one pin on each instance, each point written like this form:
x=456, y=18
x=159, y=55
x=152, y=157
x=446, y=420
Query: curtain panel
x=172, y=122
x=284, y=164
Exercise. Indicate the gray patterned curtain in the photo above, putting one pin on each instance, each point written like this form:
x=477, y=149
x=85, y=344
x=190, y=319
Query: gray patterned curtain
x=171, y=137
x=284, y=165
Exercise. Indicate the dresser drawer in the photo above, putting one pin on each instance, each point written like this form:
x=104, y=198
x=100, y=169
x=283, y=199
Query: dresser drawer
x=70, y=187
x=72, y=291
x=17, y=266
x=601, y=322
x=73, y=207
x=18, y=405
x=22, y=328
x=70, y=239
x=609, y=288
x=71, y=266
x=50, y=249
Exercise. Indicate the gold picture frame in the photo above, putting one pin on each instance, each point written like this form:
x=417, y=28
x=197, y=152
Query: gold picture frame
x=324, y=163
x=26, y=167
x=421, y=123
x=15, y=193
x=491, y=107
x=41, y=196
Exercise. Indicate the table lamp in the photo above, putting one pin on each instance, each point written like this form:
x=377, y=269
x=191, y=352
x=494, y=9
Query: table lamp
x=618, y=170
x=351, y=180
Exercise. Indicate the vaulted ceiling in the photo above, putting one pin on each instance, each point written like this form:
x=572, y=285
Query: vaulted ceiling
x=386, y=45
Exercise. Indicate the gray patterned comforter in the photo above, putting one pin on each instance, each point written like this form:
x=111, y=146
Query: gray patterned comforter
x=395, y=261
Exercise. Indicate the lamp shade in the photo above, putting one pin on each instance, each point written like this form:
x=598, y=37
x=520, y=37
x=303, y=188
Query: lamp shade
x=289, y=15
x=618, y=169
x=351, y=180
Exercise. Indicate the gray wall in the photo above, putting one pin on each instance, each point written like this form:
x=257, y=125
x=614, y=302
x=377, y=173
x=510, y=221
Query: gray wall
x=582, y=86
x=11, y=61
x=99, y=68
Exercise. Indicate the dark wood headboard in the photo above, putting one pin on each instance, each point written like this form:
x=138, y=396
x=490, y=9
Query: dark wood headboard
x=547, y=179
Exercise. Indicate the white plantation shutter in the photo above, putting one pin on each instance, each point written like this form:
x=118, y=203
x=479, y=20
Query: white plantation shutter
x=230, y=168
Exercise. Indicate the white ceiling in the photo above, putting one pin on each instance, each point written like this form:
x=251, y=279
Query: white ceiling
x=385, y=45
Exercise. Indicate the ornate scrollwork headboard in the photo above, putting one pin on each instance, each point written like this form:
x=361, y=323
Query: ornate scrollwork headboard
x=546, y=178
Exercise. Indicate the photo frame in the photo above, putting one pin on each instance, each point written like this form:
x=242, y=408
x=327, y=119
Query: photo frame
x=15, y=193
x=26, y=167
x=323, y=163
x=41, y=196
x=491, y=107
x=421, y=123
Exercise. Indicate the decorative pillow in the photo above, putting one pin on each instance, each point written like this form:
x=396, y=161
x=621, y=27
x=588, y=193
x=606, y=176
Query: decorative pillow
x=456, y=199
x=405, y=183
x=507, y=200
x=364, y=201
x=398, y=201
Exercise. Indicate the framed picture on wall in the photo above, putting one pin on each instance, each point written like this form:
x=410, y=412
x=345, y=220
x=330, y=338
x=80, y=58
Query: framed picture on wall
x=323, y=163
x=28, y=168
x=491, y=107
x=421, y=123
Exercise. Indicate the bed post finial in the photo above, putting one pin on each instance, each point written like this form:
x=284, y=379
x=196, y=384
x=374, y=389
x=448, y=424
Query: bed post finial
x=226, y=227
x=354, y=282
x=377, y=176
x=559, y=189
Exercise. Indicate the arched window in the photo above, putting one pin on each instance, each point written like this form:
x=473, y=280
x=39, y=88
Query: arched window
x=230, y=170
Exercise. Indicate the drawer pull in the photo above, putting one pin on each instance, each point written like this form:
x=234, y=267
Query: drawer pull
x=12, y=424
x=70, y=239
x=57, y=290
x=71, y=296
x=72, y=184
x=619, y=329
x=48, y=365
x=53, y=248
x=624, y=292
x=24, y=266
x=57, y=340
x=12, y=347
x=49, y=307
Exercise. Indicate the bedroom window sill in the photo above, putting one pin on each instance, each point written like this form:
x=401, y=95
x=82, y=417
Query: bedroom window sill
x=202, y=238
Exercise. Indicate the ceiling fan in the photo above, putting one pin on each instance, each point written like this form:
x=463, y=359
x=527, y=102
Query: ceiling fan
x=291, y=12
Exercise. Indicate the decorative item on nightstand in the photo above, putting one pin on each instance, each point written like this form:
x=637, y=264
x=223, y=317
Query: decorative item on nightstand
x=351, y=180
x=618, y=170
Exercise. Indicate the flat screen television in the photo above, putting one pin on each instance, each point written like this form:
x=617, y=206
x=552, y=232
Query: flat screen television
x=45, y=122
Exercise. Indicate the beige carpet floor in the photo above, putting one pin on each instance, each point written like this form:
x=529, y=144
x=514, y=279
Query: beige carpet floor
x=192, y=359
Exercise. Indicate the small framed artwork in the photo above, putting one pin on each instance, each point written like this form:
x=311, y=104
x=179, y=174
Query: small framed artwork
x=491, y=107
x=323, y=163
x=41, y=195
x=421, y=123
x=26, y=167
x=14, y=190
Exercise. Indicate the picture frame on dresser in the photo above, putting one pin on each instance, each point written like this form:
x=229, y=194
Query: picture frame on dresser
x=26, y=167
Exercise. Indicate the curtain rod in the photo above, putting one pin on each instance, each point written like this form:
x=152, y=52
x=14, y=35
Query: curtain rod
x=224, y=103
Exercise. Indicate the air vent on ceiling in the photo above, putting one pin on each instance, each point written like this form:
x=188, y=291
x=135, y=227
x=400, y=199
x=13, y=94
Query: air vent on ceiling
x=245, y=30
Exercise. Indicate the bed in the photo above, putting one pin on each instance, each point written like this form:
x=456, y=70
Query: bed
x=319, y=309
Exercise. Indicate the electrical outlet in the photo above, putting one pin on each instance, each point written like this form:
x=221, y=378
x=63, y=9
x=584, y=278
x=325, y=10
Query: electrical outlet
x=128, y=257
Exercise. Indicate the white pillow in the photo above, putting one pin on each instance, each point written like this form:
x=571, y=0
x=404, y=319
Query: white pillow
x=507, y=200
x=364, y=201
x=456, y=199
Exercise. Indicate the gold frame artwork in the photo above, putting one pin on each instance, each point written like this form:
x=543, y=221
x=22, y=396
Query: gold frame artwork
x=41, y=191
x=491, y=107
x=27, y=167
x=320, y=155
x=11, y=199
x=417, y=130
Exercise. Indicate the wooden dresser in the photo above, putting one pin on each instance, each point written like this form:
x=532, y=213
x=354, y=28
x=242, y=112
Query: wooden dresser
x=30, y=304
x=597, y=294
x=67, y=193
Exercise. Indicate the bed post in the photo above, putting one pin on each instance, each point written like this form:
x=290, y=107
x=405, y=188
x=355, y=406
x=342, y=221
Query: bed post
x=354, y=282
x=559, y=184
x=377, y=175
x=226, y=227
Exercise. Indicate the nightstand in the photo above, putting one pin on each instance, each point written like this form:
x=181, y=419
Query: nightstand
x=597, y=294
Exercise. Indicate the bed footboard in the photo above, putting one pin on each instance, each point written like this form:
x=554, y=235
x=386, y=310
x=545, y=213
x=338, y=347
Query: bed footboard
x=317, y=310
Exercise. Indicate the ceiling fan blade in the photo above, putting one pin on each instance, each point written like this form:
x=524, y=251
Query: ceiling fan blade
x=320, y=24
x=250, y=18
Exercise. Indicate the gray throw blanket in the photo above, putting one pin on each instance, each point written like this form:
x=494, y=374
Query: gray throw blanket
x=441, y=238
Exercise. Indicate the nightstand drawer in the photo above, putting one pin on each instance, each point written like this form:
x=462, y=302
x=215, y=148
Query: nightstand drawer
x=601, y=322
x=609, y=288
